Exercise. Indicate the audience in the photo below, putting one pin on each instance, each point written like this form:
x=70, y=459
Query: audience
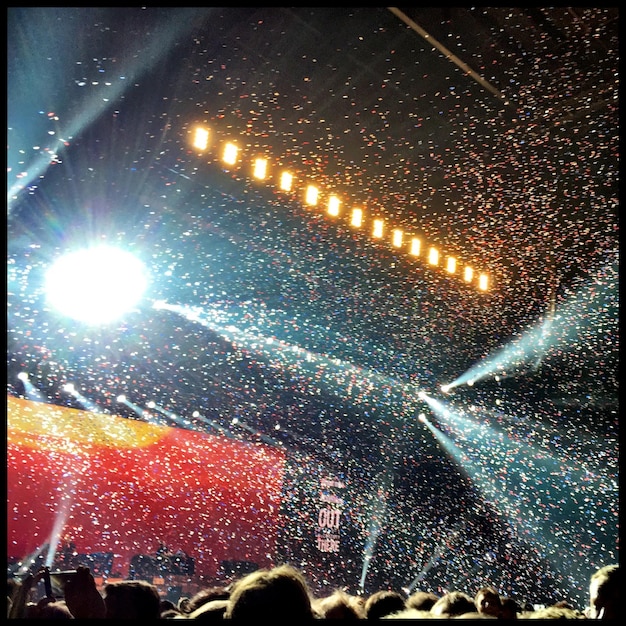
x=510, y=608
x=209, y=594
x=274, y=595
x=48, y=608
x=604, y=593
x=452, y=604
x=553, y=612
x=384, y=602
x=421, y=600
x=132, y=599
x=411, y=614
x=282, y=594
x=488, y=602
x=339, y=605
x=210, y=611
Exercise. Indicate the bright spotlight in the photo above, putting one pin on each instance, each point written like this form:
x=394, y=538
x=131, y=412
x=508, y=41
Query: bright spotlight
x=260, y=168
x=69, y=388
x=311, y=196
x=333, y=205
x=95, y=285
x=32, y=393
x=201, y=139
x=230, y=154
x=379, y=227
x=357, y=217
x=421, y=418
x=415, y=246
x=121, y=398
x=286, y=181
x=445, y=388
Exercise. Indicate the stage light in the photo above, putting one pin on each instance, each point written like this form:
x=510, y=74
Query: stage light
x=230, y=153
x=96, y=285
x=121, y=398
x=201, y=139
x=32, y=393
x=260, y=168
x=286, y=181
x=84, y=401
x=333, y=205
x=198, y=416
x=378, y=228
x=259, y=171
x=416, y=244
x=311, y=195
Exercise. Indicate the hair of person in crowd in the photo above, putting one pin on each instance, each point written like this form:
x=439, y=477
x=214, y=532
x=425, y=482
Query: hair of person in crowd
x=132, y=599
x=210, y=611
x=510, y=607
x=605, y=587
x=339, y=605
x=553, y=612
x=488, y=602
x=48, y=608
x=202, y=596
x=421, y=600
x=384, y=602
x=279, y=593
x=411, y=614
x=454, y=603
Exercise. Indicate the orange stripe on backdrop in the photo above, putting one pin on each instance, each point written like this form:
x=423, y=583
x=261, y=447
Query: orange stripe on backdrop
x=29, y=422
x=110, y=484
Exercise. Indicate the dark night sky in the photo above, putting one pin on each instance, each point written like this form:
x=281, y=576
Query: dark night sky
x=512, y=166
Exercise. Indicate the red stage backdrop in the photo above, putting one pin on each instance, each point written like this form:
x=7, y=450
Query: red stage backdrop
x=111, y=484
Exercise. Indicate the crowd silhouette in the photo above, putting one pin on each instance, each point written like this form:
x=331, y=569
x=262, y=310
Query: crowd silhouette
x=282, y=594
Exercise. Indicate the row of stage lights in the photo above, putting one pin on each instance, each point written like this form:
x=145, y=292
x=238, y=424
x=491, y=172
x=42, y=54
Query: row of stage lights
x=149, y=413
x=231, y=154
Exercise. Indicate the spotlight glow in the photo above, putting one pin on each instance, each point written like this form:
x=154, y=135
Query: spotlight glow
x=96, y=285
x=522, y=478
x=561, y=329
